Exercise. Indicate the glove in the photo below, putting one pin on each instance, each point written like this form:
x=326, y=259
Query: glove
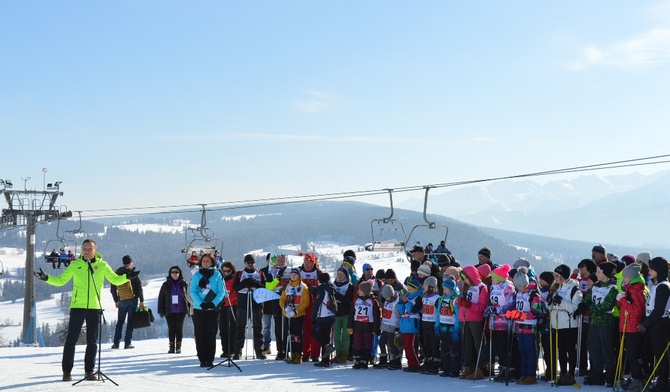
x=455, y=336
x=132, y=274
x=210, y=296
x=206, y=305
x=515, y=315
x=464, y=303
x=203, y=282
x=557, y=299
x=581, y=309
x=490, y=310
x=41, y=275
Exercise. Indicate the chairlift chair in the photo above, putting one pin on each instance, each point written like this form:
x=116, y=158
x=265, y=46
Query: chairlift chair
x=429, y=225
x=65, y=242
x=200, y=240
x=389, y=224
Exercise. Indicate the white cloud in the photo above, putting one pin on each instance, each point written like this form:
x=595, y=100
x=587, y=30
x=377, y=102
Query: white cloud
x=218, y=137
x=650, y=48
x=316, y=102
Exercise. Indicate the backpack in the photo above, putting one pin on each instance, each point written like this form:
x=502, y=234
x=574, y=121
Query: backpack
x=332, y=304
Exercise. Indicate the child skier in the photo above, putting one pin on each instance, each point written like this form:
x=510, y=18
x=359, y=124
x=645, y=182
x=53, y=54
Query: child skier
x=502, y=299
x=295, y=300
x=410, y=315
x=344, y=290
x=601, y=299
x=449, y=329
x=563, y=301
x=429, y=314
x=528, y=310
x=472, y=304
x=390, y=355
x=631, y=303
x=363, y=323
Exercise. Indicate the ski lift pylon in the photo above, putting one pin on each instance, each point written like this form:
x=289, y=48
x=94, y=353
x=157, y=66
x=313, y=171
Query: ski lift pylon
x=387, y=245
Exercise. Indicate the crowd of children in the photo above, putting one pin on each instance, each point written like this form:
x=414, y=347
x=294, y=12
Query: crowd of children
x=484, y=320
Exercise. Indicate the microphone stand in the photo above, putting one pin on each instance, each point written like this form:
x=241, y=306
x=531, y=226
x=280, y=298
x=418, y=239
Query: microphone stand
x=229, y=360
x=101, y=319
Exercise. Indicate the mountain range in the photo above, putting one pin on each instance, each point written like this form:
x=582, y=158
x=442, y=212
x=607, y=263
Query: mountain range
x=628, y=209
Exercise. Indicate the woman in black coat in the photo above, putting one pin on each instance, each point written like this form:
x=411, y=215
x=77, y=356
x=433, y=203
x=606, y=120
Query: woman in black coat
x=174, y=303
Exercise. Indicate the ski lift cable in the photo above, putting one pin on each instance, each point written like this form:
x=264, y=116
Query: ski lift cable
x=238, y=204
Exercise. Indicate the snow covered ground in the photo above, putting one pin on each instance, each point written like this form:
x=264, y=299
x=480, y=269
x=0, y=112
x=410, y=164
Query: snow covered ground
x=148, y=367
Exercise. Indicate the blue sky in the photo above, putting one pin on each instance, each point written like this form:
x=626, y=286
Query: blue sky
x=135, y=104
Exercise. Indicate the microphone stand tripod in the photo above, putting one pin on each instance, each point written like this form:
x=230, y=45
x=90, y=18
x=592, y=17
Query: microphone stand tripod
x=101, y=319
x=228, y=360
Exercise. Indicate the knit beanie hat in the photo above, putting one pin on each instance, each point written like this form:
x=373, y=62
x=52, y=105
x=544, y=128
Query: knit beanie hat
x=547, y=277
x=607, y=269
x=365, y=287
x=366, y=266
x=311, y=257
x=381, y=274
x=522, y=262
x=414, y=265
x=599, y=249
x=501, y=273
x=324, y=277
x=431, y=281
x=424, y=269
x=593, y=278
x=449, y=284
x=628, y=259
x=413, y=284
x=345, y=271
x=350, y=253
x=644, y=257
x=443, y=260
x=619, y=265
x=126, y=260
x=631, y=271
x=387, y=291
x=390, y=274
x=521, y=277
x=486, y=252
x=563, y=270
x=249, y=259
x=295, y=271
x=484, y=270
x=350, y=260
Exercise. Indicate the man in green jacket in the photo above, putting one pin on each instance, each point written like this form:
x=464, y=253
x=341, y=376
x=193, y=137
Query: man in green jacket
x=88, y=273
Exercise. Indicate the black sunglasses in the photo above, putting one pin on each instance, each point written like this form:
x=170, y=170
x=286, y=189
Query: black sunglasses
x=174, y=272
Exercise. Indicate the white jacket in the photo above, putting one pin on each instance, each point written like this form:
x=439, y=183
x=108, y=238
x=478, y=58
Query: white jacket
x=561, y=314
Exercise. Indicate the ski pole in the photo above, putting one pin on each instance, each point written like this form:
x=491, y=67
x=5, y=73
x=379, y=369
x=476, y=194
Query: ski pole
x=579, y=347
x=619, y=364
x=655, y=367
x=479, y=354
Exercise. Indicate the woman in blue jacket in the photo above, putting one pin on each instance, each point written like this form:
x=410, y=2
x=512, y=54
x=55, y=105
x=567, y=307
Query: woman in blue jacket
x=207, y=292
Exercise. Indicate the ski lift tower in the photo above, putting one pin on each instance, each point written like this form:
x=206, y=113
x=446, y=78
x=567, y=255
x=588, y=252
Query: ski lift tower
x=29, y=208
